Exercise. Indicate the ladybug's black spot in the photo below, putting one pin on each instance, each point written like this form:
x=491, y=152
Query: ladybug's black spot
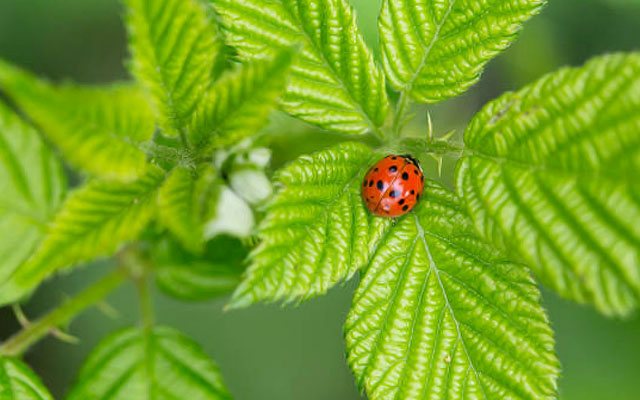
x=413, y=192
x=405, y=207
x=422, y=178
x=375, y=169
x=401, y=202
x=415, y=171
x=393, y=168
x=394, y=157
x=405, y=176
x=379, y=185
x=418, y=197
x=393, y=194
x=371, y=183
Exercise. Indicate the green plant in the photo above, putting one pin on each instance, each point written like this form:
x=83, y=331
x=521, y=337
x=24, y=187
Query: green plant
x=173, y=169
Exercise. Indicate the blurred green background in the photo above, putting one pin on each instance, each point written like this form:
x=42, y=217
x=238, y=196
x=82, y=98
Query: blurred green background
x=268, y=352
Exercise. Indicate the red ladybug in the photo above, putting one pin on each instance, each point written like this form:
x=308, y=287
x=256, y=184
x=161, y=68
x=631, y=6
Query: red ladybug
x=393, y=186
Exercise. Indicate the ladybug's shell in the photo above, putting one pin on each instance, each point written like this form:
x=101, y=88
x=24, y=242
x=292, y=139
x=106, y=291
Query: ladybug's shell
x=393, y=186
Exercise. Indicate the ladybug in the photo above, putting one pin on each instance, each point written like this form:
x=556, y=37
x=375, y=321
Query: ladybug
x=393, y=186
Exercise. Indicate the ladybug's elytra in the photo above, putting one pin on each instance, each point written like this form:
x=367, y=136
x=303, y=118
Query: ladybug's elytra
x=393, y=186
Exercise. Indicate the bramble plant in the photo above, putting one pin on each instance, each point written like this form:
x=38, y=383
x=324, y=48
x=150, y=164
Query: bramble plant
x=177, y=192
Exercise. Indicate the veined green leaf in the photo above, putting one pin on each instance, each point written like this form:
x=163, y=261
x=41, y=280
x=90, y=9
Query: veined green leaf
x=553, y=176
x=18, y=382
x=95, y=127
x=439, y=314
x=178, y=208
x=155, y=365
x=436, y=49
x=316, y=230
x=334, y=82
x=175, y=48
x=32, y=185
x=238, y=104
x=215, y=273
x=95, y=221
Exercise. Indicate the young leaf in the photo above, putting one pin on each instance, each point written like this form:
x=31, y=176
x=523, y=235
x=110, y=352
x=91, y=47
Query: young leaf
x=175, y=48
x=95, y=221
x=178, y=208
x=94, y=127
x=440, y=314
x=195, y=278
x=18, y=382
x=553, y=175
x=155, y=365
x=334, y=81
x=32, y=186
x=238, y=104
x=436, y=49
x=316, y=230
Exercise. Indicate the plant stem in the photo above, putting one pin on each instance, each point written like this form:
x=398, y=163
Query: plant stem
x=146, y=305
x=400, y=113
x=62, y=315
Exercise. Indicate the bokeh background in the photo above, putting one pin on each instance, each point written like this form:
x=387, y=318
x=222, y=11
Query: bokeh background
x=274, y=353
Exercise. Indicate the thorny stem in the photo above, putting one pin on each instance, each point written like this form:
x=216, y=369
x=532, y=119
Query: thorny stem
x=62, y=315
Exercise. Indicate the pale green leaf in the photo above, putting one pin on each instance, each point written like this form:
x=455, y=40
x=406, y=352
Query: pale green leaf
x=436, y=49
x=334, y=82
x=239, y=103
x=18, y=382
x=439, y=314
x=96, y=220
x=215, y=273
x=552, y=174
x=32, y=186
x=316, y=231
x=175, y=49
x=95, y=127
x=160, y=364
x=178, y=208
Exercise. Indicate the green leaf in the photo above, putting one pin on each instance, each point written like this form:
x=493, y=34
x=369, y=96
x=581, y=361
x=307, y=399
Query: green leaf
x=334, y=81
x=552, y=174
x=175, y=48
x=179, y=208
x=195, y=278
x=239, y=103
x=154, y=365
x=18, y=382
x=95, y=127
x=32, y=185
x=440, y=314
x=316, y=231
x=95, y=221
x=436, y=49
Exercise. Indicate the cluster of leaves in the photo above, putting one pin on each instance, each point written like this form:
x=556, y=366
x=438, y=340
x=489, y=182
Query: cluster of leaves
x=446, y=306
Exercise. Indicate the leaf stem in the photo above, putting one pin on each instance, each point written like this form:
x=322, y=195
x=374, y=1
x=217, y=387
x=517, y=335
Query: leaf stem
x=400, y=114
x=62, y=315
